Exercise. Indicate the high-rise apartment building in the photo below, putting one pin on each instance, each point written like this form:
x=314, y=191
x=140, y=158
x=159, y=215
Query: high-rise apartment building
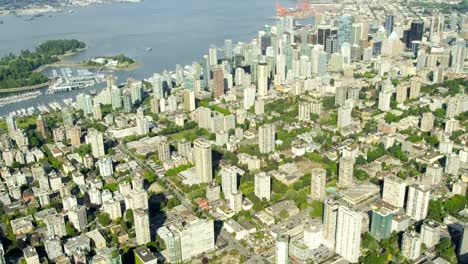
x=381, y=223
x=266, y=138
x=346, y=171
x=263, y=185
x=318, y=181
x=417, y=203
x=348, y=233
x=142, y=228
x=96, y=140
x=394, y=191
x=411, y=245
x=203, y=159
x=282, y=249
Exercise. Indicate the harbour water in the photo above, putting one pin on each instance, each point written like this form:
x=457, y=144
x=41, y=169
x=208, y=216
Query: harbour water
x=178, y=32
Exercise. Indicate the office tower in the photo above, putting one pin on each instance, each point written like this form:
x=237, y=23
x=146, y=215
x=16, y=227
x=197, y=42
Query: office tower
x=348, y=233
x=331, y=45
x=77, y=216
x=189, y=101
x=356, y=33
x=142, y=228
x=458, y=54
x=262, y=79
x=415, y=33
x=401, y=94
x=415, y=88
x=41, y=126
x=213, y=56
x=317, y=185
x=330, y=215
x=113, y=208
x=97, y=143
x=249, y=97
x=322, y=63
x=55, y=225
x=427, y=122
x=218, y=81
x=394, y=191
x=344, y=118
x=185, y=241
x=388, y=24
x=430, y=233
x=206, y=71
x=263, y=185
x=437, y=25
x=345, y=172
x=266, y=138
x=228, y=180
x=463, y=246
x=340, y=95
x=282, y=249
x=84, y=102
x=304, y=111
x=228, y=51
x=411, y=245
x=106, y=168
x=346, y=53
x=417, y=202
x=164, y=150
x=202, y=157
x=323, y=31
x=452, y=164
x=344, y=29
x=381, y=225
x=385, y=98
x=142, y=125
x=11, y=125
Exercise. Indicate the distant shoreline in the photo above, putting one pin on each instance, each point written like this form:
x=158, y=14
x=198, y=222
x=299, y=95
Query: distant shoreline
x=33, y=11
x=63, y=62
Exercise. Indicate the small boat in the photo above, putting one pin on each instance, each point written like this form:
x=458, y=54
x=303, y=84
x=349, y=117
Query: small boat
x=148, y=49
